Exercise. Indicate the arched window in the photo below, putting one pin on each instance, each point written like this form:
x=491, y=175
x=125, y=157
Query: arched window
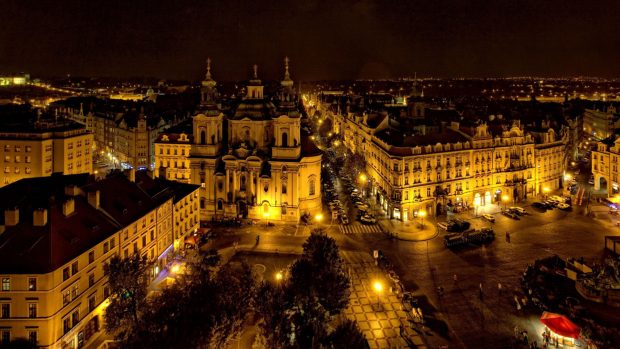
x=220, y=204
x=203, y=137
x=242, y=183
x=311, y=183
x=284, y=139
x=283, y=187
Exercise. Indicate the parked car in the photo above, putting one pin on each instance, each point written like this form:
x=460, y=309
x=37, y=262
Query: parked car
x=519, y=210
x=510, y=214
x=540, y=205
x=443, y=225
x=563, y=206
x=488, y=217
x=368, y=219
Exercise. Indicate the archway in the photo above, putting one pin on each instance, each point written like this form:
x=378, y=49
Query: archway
x=203, y=137
x=601, y=184
x=242, y=209
x=284, y=139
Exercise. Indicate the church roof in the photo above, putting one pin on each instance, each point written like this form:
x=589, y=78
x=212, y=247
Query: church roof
x=254, y=109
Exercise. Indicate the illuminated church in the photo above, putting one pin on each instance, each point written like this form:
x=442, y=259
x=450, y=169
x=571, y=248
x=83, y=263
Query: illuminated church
x=252, y=161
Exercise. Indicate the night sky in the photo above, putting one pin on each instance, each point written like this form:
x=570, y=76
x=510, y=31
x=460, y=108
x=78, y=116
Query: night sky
x=324, y=39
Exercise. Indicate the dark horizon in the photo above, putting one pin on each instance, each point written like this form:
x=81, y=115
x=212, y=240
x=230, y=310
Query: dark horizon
x=345, y=40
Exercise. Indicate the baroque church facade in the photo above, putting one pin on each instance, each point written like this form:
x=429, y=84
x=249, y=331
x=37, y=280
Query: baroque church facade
x=252, y=161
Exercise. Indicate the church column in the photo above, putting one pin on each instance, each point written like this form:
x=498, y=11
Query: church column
x=227, y=184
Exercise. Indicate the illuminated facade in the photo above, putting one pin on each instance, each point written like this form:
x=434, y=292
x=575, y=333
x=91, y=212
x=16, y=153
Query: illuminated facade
x=455, y=168
x=605, y=161
x=601, y=124
x=253, y=162
x=53, y=252
x=43, y=149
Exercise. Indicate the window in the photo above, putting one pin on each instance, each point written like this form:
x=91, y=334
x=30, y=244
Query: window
x=32, y=337
x=106, y=292
x=428, y=192
x=135, y=247
x=283, y=188
x=74, y=268
x=75, y=291
x=311, y=187
x=65, y=274
x=5, y=310
x=75, y=317
x=91, y=257
x=7, y=148
x=105, y=247
x=112, y=243
x=91, y=280
x=32, y=284
x=6, y=336
x=32, y=310
x=7, y=158
x=66, y=324
x=18, y=158
x=6, y=284
x=152, y=235
x=143, y=240
x=18, y=148
x=92, y=303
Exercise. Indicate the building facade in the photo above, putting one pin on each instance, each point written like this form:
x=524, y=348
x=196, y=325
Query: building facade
x=455, y=168
x=605, y=161
x=254, y=161
x=53, y=252
x=601, y=124
x=43, y=149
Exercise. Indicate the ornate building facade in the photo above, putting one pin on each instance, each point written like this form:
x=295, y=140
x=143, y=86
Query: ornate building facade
x=454, y=167
x=254, y=161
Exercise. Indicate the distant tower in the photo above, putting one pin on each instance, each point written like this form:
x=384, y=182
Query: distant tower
x=255, y=87
x=208, y=94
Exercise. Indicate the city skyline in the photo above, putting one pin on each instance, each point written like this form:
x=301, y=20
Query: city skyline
x=345, y=40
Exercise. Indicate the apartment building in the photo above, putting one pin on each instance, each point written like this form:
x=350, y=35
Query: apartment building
x=44, y=148
x=57, y=235
x=454, y=167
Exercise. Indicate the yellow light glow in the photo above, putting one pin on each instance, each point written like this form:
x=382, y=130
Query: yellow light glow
x=567, y=177
x=175, y=269
x=279, y=276
x=546, y=189
x=266, y=214
x=422, y=214
x=377, y=286
x=363, y=177
x=505, y=198
x=318, y=217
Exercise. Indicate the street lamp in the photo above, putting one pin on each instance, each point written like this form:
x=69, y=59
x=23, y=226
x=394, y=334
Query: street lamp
x=546, y=191
x=422, y=214
x=362, y=180
x=279, y=276
x=318, y=217
x=266, y=216
x=377, y=286
x=505, y=199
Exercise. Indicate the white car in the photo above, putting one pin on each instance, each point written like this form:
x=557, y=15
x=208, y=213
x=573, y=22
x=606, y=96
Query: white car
x=488, y=217
x=443, y=225
x=368, y=219
x=563, y=206
x=519, y=210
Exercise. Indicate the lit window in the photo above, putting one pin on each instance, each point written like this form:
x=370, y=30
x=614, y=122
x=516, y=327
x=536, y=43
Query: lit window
x=6, y=284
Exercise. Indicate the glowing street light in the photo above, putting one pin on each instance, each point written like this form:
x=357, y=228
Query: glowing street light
x=318, y=217
x=505, y=199
x=377, y=286
x=266, y=216
x=279, y=276
x=363, y=178
x=546, y=190
x=422, y=214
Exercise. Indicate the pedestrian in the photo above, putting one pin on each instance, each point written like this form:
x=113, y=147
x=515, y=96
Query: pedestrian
x=499, y=288
x=454, y=277
x=516, y=331
x=525, y=340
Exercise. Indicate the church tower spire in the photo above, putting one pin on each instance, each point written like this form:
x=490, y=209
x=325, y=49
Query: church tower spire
x=207, y=92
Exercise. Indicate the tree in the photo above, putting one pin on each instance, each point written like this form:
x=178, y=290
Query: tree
x=347, y=335
x=128, y=283
x=320, y=272
x=295, y=314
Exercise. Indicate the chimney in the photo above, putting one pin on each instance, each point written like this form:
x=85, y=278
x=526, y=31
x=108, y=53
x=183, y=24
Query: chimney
x=11, y=216
x=68, y=207
x=72, y=190
x=39, y=217
x=93, y=198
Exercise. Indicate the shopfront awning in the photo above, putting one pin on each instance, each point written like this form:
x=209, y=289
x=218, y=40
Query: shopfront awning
x=560, y=324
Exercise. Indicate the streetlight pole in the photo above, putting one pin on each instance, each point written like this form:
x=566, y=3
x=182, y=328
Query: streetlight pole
x=422, y=214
